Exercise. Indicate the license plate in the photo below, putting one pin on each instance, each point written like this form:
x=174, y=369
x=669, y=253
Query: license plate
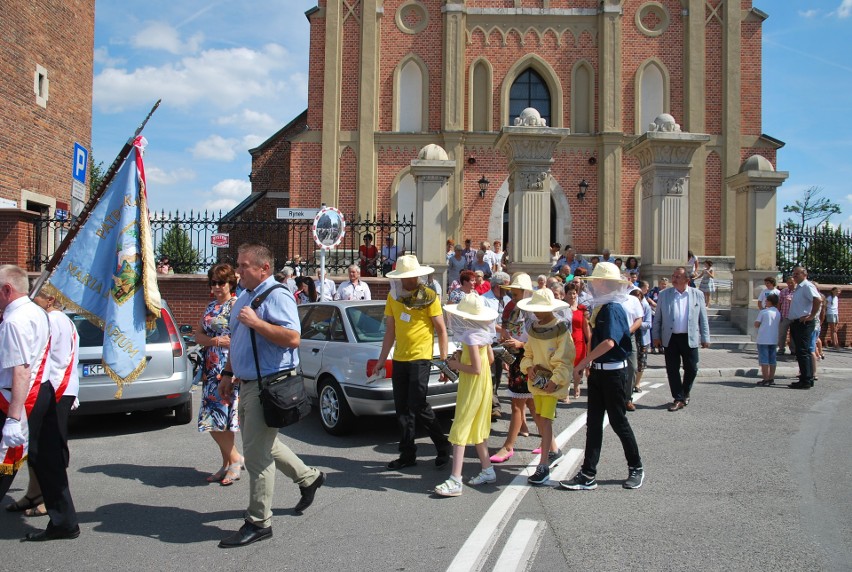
x=93, y=369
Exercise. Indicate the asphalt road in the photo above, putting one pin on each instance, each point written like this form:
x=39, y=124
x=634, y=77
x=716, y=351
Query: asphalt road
x=745, y=478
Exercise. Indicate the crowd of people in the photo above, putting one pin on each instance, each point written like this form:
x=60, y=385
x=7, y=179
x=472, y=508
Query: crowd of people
x=592, y=321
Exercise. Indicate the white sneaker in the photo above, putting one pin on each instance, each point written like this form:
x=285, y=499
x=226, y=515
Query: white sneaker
x=485, y=476
x=449, y=488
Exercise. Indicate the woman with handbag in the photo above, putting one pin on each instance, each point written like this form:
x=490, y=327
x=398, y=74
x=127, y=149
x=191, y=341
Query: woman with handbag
x=215, y=416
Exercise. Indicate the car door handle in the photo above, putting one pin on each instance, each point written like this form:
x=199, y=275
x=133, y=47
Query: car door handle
x=315, y=351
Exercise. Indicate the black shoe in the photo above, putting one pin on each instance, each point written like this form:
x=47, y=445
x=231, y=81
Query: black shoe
x=247, y=534
x=308, y=493
x=580, y=482
x=800, y=385
x=635, y=478
x=51, y=534
x=442, y=460
x=553, y=458
x=540, y=476
x=401, y=463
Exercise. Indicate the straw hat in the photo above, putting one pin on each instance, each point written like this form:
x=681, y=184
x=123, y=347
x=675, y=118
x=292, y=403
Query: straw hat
x=520, y=281
x=472, y=307
x=407, y=266
x=605, y=271
x=542, y=300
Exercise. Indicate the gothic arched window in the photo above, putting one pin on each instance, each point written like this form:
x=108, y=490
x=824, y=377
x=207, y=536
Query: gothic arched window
x=529, y=90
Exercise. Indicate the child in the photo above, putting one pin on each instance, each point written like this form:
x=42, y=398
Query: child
x=472, y=324
x=832, y=314
x=548, y=362
x=767, y=338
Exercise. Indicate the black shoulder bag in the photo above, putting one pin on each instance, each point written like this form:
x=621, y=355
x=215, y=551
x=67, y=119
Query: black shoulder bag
x=282, y=394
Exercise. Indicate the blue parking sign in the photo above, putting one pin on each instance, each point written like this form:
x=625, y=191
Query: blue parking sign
x=81, y=162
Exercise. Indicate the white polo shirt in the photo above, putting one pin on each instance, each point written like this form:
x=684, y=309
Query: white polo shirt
x=803, y=300
x=350, y=291
x=24, y=335
x=64, y=355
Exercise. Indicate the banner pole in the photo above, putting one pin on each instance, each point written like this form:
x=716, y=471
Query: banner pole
x=77, y=223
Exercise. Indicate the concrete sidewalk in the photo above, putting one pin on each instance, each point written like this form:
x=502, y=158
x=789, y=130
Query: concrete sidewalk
x=743, y=363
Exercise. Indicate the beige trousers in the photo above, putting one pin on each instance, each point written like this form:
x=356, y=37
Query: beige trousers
x=264, y=453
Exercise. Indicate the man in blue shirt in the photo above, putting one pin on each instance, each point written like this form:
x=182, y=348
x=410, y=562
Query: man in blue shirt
x=277, y=335
x=607, y=380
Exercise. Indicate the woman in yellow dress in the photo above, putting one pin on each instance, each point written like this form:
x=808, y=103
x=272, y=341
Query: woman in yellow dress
x=472, y=324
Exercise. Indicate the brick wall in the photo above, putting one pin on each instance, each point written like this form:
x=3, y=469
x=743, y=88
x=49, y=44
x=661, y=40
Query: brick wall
x=844, y=305
x=37, y=143
x=17, y=237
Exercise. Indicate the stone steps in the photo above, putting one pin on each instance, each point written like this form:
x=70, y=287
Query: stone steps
x=724, y=334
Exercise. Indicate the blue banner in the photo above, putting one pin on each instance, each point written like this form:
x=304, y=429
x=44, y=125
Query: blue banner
x=108, y=273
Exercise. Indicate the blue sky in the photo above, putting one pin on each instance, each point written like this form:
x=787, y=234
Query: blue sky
x=230, y=77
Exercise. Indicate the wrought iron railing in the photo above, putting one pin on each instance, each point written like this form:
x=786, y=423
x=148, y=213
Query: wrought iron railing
x=825, y=251
x=189, y=239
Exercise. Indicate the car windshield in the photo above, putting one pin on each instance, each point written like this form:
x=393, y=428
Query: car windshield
x=368, y=322
x=92, y=336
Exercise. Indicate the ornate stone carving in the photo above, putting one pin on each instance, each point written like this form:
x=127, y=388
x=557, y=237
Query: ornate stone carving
x=674, y=185
x=652, y=19
x=411, y=17
x=664, y=123
x=533, y=181
x=647, y=185
x=530, y=117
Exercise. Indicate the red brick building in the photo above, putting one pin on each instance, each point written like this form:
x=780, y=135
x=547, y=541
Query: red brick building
x=46, y=88
x=389, y=77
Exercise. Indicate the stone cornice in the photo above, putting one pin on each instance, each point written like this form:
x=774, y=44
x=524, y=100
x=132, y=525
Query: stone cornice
x=757, y=180
x=666, y=149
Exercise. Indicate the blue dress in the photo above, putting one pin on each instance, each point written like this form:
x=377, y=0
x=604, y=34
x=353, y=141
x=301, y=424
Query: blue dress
x=213, y=415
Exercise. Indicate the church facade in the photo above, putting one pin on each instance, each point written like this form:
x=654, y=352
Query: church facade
x=388, y=77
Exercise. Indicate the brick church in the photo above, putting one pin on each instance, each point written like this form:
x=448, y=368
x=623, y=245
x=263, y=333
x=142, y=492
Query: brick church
x=388, y=77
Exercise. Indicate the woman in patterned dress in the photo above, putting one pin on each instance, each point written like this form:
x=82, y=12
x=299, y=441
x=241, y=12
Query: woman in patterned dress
x=214, y=416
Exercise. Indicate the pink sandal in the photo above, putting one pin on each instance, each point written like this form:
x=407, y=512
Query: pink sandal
x=502, y=458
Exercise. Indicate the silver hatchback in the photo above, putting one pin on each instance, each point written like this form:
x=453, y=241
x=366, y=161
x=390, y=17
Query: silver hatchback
x=341, y=343
x=164, y=385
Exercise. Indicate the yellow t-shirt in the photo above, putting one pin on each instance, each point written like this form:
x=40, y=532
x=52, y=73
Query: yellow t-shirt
x=414, y=329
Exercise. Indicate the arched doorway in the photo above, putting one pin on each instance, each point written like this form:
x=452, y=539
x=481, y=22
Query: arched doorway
x=560, y=215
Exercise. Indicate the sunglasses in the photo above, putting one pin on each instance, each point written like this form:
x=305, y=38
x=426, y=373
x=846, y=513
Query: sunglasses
x=218, y=283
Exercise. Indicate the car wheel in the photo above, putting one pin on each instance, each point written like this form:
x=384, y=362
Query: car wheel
x=335, y=414
x=183, y=413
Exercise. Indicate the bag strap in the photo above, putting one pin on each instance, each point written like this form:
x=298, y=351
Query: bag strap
x=255, y=304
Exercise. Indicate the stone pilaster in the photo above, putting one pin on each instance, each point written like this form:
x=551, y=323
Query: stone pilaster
x=731, y=118
x=329, y=182
x=665, y=160
x=610, y=61
x=529, y=145
x=695, y=103
x=368, y=107
x=454, y=66
x=432, y=171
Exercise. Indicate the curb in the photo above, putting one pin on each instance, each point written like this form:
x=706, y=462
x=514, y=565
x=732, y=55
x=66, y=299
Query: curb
x=660, y=373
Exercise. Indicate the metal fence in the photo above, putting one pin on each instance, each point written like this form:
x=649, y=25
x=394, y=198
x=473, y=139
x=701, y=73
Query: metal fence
x=190, y=239
x=825, y=251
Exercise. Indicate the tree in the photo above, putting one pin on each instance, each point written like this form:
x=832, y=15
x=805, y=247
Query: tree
x=177, y=247
x=813, y=210
x=96, y=174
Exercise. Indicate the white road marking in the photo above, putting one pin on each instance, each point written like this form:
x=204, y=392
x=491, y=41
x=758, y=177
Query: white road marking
x=520, y=547
x=474, y=552
x=656, y=385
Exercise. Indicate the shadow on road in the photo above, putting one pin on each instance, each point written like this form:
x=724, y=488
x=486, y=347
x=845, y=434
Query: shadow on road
x=152, y=475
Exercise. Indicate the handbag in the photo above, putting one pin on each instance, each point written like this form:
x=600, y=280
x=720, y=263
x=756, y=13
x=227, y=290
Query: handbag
x=282, y=395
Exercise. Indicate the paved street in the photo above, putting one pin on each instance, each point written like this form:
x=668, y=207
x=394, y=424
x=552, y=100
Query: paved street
x=746, y=478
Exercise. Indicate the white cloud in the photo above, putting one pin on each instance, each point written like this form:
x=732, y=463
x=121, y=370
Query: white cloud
x=225, y=78
x=845, y=9
x=250, y=119
x=161, y=36
x=849, y=198
x=227, y=194
x=158, y=176
x=102, y=57
x=216, y=148
x=808, y=13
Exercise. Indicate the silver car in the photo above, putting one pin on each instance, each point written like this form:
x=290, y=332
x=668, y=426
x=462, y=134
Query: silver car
x=341, y=342
x=164, y=385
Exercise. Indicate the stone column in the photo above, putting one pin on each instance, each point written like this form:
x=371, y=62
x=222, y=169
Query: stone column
x=529, y=145
x=431, y=171
x=665, y=160
x=368, y=108
x=756, y=186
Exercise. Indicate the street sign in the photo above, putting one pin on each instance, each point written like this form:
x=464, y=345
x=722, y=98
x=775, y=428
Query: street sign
x=329, y=228
x=294, y=213
x=61, y=214
x=221, y=240
x=81, y=163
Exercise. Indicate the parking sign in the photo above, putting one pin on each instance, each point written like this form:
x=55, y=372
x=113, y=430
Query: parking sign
x=81, y=163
